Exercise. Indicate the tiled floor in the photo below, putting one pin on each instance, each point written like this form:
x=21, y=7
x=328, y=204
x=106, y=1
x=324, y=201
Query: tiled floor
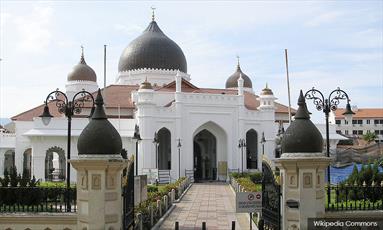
x=213, y=203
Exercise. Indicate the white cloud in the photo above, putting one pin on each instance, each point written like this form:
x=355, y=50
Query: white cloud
x=35, y=29
x=324, y=18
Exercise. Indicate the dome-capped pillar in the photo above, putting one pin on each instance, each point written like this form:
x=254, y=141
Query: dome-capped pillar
x=302, y=168
x=99, y=167
x=82, y=76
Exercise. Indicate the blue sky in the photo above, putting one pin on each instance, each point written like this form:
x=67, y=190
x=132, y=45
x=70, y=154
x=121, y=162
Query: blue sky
x=330, y=44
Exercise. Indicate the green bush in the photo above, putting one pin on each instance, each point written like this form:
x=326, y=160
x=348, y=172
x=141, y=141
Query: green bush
x=249, y=185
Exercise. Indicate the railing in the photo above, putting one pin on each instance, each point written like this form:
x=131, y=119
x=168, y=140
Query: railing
x=355, y=197
x=149, y=216
x=35, y=199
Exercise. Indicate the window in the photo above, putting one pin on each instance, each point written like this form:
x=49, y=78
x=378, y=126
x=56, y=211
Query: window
x=360, y=122
x=367, y=122
x=337, y=122
x=360, y=132
x=380, y=121
x=339, y=132
x=346, y=132
x=381, y=132
x=355, y=132
x=354, y=122
x=345, y=122
x=377, y=132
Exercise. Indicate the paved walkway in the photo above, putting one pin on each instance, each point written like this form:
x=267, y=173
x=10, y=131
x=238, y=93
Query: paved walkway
x=213, y=203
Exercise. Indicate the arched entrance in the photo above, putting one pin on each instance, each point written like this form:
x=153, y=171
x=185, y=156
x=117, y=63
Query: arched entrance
x=205, y=156
x=27, y=163
x=55, y=164
x=9, y=161
x=251, y=149
x=164, y=149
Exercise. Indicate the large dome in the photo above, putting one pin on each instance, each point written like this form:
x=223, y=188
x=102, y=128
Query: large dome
x=152, y=49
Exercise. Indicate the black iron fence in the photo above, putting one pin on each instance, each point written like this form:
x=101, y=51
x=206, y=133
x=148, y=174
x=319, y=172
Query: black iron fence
x=36, y=199
x=345, y=197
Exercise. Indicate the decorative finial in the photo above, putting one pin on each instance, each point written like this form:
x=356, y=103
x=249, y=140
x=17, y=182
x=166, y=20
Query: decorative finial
x=267, y=86
x=153, y=8
x=82, y=60
x=238, y=65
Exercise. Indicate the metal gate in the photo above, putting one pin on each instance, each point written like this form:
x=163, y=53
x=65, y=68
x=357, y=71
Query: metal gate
x=271, y=199
x=128, y=197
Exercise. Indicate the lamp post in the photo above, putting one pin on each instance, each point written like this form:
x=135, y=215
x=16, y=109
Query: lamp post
x=241, y=145
x=156, y=141
x=68, y=108
x=179, y=157
x=137, y=137
x=327, y=105
x=263, y=141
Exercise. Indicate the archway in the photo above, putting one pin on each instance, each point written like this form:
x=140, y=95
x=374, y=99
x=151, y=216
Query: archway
x=55, y=164
x=27, y=163
x=205, y=156
x=164, y=149
x=9, y=160
x=251, y=149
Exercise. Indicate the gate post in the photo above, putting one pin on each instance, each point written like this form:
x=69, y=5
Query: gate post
x=302, y=167
x=99, y=165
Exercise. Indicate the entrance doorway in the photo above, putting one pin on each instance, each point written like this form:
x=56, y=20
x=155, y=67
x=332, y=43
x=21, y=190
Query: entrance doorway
x=205, y=156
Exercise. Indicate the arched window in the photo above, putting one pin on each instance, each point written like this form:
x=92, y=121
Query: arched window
x=55, y=162
x=9, y=160
x=251, y=149
x=27, y=163
x=164, y=149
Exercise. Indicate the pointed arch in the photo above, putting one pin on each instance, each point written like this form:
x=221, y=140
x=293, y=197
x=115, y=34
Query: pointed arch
x=209, y=151
x=55, y=162
x=164, y=149
x=252, y=149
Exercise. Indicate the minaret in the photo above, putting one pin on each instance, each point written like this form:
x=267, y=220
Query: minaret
x=145, y=112
x=267, y=99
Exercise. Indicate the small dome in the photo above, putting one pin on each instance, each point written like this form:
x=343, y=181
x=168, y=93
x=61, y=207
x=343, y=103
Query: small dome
x=82, y=72
x=99, y=137
x=232, y=81
x=267, y=91
x=302, y=136
x=146, y=85
x=152, y=49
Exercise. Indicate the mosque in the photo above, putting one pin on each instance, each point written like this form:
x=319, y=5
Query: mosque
x=182, y=127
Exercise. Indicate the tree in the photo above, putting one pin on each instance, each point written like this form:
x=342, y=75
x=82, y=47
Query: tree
x=369, y=137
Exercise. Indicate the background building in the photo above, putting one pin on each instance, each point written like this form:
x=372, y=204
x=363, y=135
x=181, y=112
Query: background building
x=363, y=121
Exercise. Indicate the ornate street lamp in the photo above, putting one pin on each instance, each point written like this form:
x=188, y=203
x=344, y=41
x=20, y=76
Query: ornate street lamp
x=327, y=105
x=241, y=145
x=156, y=141
x=68, y=108
x=137, y=137
x=179, y=157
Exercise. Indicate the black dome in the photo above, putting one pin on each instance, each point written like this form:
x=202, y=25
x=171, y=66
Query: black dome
x=232, y=81
x=82, y=72
x=152, y=49
x=302, y=136
x=99, y=136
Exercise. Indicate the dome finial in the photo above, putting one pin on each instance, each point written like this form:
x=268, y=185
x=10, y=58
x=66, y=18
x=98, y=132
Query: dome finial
x=153, y=9
x=238, y=65
x=82, y=60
